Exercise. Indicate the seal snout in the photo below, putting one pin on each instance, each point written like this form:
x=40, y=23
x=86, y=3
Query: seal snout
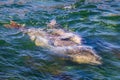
x=99, y=60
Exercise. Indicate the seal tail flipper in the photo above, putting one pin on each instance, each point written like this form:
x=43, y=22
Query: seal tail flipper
x=14, y=24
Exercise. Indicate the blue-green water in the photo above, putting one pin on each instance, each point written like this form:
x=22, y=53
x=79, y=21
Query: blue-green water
x=97, y=21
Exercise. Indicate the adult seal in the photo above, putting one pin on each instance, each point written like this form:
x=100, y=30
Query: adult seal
x=61, y=43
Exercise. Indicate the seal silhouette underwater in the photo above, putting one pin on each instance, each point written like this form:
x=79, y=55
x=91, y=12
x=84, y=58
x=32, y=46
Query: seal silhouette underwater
x=59, y=42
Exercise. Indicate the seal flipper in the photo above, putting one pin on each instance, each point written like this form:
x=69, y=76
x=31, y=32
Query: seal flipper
x=14, y=24
x=53, y=25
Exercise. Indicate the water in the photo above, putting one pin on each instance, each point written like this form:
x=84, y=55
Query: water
x=97, y=21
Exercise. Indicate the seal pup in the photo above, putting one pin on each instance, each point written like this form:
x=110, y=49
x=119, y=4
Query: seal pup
x=55, y=29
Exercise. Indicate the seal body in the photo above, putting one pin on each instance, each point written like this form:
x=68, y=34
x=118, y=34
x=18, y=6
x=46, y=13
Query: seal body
x=80, y=54
x=60, y=43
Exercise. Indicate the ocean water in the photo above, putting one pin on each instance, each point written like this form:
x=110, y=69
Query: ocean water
x=97, y=21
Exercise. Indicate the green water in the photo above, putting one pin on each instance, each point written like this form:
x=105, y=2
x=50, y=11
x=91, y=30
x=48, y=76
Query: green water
x=97, y=21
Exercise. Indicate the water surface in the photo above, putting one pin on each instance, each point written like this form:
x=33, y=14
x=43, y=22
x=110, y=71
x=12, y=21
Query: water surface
x=97, y=21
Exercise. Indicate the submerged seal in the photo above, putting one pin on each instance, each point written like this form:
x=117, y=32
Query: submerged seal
x=60, y=43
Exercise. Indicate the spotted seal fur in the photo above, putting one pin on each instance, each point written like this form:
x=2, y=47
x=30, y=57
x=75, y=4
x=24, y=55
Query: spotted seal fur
x=60, y=43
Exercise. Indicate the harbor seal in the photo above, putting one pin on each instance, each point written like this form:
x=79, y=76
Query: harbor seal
x=60, y=43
